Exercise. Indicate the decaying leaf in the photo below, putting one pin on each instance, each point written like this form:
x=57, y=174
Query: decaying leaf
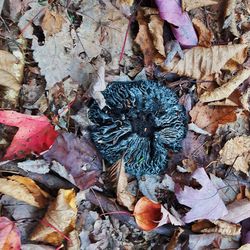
x=188, y=5
x=24, y=189
x=209, y=118
x=78, y=156
x=180, y=22
x=156, y=29
x=205, y=36
x=219, y=226
x=205, y=202
x=9, y=235
x=236, y=152
x=52, y=22
x=124, y=197
x=202, y=63
x=230, y=21
x=174, y=239
x=59, y=219
x=35, y=134
x=144, y=39
x=226, y=89
x=238, y=211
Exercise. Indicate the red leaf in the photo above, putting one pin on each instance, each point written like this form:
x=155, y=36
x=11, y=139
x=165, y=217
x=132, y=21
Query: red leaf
x=9, y=235
x=35, y=134
x=182, y=27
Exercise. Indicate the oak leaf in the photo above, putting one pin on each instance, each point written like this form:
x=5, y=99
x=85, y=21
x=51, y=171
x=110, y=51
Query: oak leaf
x=205, y=203
x=202, y=63
x=209, y=118
x=59, y=219
x=35, y=134
x=236, y=152
x=226, y=89
x=9, y=235
x=24, y=189
x=188, y=5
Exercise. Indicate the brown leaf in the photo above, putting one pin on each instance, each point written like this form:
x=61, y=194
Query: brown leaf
x=226, y=89
x=59, y=219
x=24, y=189
x=189, y=5
x=156, y=29
x=202, y=63
x=174, y=239
x=52, y=22
x=236, y=152
x=124, y=197
x=209, y=118
x=127, y=2
x=205, y=35
x=144, y=39
x=238, y=211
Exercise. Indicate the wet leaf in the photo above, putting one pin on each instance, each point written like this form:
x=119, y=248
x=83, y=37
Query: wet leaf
x=205, y=203
x=202, y=63
x=59, y=219
x=35, y=134
x=9, y=235
x=24, y=189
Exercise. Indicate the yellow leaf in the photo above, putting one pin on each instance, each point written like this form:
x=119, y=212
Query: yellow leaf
x=202, y=63
x=226, y=89
x=59, y=219
x=193, y=4
x=24, y=189
x=236, y=152
x=124, y=197
x=52, y=22
x=204, y=34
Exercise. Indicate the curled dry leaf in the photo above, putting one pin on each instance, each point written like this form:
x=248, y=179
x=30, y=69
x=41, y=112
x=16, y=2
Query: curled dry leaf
x=59, y=219
x=52, y=22
x=188, y=5
x=226, y=89
x=124, y=197
x=205, y=36
x=9, y=235
x=238, y=211
x=144, y=39
x=205, y=203
x=236, y=152
x=180, y=22
x=35, y=134
x=209, y=118
x=202, y=63
x=229, y=15
x=24, y=189
x=222, y=227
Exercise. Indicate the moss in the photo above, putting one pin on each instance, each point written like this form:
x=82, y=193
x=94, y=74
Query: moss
x=142, y=122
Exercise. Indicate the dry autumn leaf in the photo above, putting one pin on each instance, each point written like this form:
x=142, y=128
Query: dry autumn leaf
x=209, y=118
x=59, y=219
x=9, y=235
x=236, y=152
x=124, y=197
x=127, y=2
x=188, y=5
x=202, y=63
x=52, y=22
x=226, y=89
x=205, y=36
x=24, y=189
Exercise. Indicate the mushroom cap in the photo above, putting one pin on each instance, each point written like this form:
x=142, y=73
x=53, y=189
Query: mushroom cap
x=142, y=121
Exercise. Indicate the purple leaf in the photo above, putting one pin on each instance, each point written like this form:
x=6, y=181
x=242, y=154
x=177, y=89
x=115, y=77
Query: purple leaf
x=205, y=203
x=181, y=24
x=78, y=156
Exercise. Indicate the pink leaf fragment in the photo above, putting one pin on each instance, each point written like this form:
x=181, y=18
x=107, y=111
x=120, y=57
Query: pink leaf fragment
x=205, y=203
x=35, y=134
x=181, y=24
